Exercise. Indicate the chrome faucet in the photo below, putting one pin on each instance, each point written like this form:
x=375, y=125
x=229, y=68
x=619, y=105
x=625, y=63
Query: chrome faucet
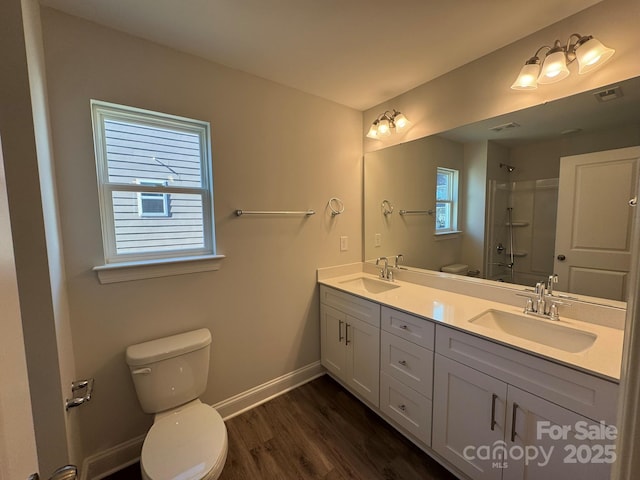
x=385, y=273
x=398, y=260
x=544, y=304
x=552, y=279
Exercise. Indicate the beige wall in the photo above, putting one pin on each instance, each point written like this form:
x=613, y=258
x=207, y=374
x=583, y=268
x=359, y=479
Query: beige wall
x=475, y=198
x=480, y=89
x=541, y=159
x=271, y=151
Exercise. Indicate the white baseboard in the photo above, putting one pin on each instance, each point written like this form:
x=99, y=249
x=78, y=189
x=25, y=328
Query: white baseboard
x=104, y=463
x=263, y=393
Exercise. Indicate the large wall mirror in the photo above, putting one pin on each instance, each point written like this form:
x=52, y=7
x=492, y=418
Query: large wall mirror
x=539, y=191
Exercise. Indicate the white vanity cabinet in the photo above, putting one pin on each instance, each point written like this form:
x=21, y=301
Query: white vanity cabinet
x=350, y=342
x=406, y=371
x=487, y=401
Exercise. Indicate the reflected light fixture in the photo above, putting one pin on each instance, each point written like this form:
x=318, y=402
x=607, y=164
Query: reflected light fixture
x=388, y=123
x=588, y=51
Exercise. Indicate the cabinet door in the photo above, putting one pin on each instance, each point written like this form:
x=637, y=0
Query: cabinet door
x=363, y=358
x=333, y=353
x=468, y=417
x=548, y=432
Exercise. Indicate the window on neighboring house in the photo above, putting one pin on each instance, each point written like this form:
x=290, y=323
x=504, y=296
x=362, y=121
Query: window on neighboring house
x=153, y=204
x=446, y=200
x=154, y=178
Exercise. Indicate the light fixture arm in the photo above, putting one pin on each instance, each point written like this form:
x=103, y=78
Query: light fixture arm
x=535, y=59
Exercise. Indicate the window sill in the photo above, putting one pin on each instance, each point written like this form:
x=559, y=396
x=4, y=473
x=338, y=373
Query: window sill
x=165, y=267
x=447, y=235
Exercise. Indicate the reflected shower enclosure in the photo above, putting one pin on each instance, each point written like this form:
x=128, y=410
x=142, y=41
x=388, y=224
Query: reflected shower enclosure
x=521, y=226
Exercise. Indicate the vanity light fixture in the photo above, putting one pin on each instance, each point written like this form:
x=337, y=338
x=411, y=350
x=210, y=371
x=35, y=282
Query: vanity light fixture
x=588, y=51
x=388, y=123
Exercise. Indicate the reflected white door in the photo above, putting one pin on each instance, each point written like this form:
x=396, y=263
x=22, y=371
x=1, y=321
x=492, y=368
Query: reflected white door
x=595, y=222
x=18, y=457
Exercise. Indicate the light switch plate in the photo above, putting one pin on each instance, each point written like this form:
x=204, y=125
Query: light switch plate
x=344, y=243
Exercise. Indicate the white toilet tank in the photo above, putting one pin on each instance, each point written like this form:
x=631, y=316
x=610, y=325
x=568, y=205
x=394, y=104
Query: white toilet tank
x=170, y=371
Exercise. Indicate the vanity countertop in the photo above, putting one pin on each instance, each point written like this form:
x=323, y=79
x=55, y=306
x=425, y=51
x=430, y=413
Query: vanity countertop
x=455, y=310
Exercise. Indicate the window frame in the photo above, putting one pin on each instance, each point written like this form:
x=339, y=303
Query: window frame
x=101, y=111
x=453, y=200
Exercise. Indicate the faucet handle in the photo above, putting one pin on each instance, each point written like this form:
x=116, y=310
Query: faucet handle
x=529, y=306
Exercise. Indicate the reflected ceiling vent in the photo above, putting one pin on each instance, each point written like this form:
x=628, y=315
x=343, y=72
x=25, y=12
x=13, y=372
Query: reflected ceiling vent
x=608, y=94
x=504, y=126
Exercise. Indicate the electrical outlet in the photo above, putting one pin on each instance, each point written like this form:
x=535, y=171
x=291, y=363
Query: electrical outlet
x=377, y=240
x=344, y=243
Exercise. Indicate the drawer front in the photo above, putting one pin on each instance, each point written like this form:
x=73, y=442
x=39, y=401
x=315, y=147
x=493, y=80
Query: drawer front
x=413, y=329
x=580, y=392
x=406, y=407
x=352, y=305
x=407, y=362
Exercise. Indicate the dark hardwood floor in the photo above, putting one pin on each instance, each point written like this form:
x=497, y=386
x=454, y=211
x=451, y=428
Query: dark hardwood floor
x=317, y=431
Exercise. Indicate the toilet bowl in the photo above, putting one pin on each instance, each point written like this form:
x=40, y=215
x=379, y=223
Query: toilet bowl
x=188, y=439
x=456, y=268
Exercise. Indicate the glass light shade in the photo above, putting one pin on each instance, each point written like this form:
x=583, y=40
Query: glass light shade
x=384, y=128
x=528, y=77
x=591, y=54
x=401, y=121
x=373, y=131
x=554, y=68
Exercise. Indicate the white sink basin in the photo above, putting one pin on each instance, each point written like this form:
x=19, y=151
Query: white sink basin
x=369, y=285
x=545, y=332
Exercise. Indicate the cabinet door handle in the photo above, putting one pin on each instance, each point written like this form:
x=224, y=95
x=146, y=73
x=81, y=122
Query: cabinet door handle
x=404, y=327
x=340, y=337
x=346, y=334
x=402, y=407
x=513, y=421
x=494, y=397
x=402, y=362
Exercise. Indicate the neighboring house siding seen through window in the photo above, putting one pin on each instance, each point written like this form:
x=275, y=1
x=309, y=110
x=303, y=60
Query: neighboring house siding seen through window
x=154, y=177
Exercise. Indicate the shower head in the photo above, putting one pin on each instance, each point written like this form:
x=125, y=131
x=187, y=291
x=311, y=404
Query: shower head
x=508, y=167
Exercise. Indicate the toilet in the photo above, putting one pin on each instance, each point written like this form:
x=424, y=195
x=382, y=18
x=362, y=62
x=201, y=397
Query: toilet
x=456, y=268
x=188, y=439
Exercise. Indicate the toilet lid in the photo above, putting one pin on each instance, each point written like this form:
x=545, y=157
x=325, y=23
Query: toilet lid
x=185, y=444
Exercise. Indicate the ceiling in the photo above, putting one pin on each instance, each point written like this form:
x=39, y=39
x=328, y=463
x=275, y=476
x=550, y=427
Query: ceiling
x=354, y=52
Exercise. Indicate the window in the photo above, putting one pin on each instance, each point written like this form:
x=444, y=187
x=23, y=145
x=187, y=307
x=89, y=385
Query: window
x=446, y=200
x=154, y=179
x=153, y=204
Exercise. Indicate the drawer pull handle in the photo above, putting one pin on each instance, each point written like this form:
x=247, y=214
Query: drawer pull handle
x=513, y=421
x=493, y=411
x=402, y=407
x=340, y=337
x=404, y=327
x=402, y=362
